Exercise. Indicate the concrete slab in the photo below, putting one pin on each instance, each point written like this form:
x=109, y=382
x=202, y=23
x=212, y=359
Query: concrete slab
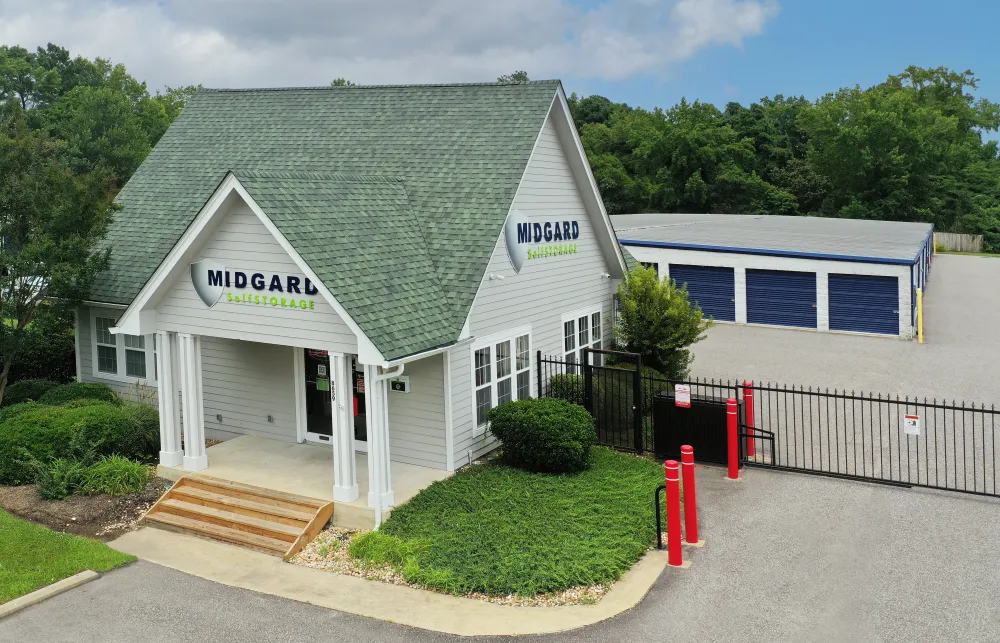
x=47, y=592
x=307, y=470
x=427, y=610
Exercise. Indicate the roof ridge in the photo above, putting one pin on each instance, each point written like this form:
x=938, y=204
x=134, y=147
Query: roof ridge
x=551, y=81
x=341, y=177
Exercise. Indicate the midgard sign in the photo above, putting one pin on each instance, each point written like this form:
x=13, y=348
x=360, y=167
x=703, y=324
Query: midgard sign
x=536, y=240
x=212, y=280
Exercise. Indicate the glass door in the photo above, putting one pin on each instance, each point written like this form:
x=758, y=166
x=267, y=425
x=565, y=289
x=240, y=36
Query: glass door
x=319, y=390
x=358, y=401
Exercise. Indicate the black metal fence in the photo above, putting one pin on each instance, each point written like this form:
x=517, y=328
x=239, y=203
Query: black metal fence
x=893, y=440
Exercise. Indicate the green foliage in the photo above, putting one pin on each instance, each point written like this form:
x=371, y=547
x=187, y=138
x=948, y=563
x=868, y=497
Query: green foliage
x=59, y=478
x=342, y=82
x=26, y=390
x=502, y=530
x=569, y=387
x=115, y=475
x=519, y=76
x=657, y=321
x=544, y=434
x=79, y=391
x=34, y=556
x=81, y=429
x=379, y=548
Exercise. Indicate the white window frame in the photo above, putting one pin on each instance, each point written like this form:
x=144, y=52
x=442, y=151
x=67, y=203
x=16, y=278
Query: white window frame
x=491, y=342
x=149, y=342
x=575, y=316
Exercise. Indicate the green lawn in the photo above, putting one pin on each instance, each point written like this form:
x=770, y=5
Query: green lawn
x=500, y=530
x=32, y=556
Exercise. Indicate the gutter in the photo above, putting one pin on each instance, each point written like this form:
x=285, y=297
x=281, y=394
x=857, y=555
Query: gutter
x=766, y=252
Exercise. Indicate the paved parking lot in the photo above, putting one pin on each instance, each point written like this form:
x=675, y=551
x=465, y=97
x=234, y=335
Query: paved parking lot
x=957, y=361
x=788, y=557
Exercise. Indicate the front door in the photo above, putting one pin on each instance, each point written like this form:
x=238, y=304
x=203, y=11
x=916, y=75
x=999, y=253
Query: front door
x=319, y=407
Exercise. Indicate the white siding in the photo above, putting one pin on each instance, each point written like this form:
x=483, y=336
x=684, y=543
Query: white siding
x=241, y=242
x=543, y=290
x=416, y=419
x=128, y=390
x=823, y=268
x=245, y=382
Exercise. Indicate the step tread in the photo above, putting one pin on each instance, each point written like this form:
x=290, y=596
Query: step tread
x=230, y=516
x=241, y=503
x=219, y=532
x=311, y=503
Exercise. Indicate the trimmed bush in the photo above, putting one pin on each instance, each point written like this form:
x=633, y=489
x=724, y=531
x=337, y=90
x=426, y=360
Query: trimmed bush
x=26, y=390
x=567, y=387
x=115, y=475
x=79, y=391
x=545, y=435
x=48, y=432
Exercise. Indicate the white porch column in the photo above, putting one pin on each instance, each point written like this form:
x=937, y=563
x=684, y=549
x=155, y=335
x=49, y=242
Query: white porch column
x=377, y=412
x=170, y=421
x=195, y=458
x=345, y=474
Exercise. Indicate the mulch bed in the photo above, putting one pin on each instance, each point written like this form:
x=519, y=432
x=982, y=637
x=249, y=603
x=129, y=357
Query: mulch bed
x=102, y=517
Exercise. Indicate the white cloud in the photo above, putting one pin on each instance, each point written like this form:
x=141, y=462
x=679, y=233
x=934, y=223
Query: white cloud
x=225, y=43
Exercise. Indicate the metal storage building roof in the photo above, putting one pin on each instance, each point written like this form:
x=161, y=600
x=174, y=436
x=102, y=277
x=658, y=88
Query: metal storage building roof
x=804, y=237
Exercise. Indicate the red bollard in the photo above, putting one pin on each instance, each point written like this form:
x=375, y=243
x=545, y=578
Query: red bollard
x=672, y=472
x=690, y=502
x=733, y=441
x=748, y=411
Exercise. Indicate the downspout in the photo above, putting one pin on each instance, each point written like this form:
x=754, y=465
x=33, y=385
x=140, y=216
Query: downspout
x=383, y=434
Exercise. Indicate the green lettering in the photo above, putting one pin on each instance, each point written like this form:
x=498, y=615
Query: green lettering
x=274, y=301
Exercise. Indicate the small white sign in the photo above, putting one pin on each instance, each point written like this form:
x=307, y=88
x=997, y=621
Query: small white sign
x=321, y=370
x=911, y=424
x=682, y=395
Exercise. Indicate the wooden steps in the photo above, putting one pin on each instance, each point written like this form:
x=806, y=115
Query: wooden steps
x=263, y=519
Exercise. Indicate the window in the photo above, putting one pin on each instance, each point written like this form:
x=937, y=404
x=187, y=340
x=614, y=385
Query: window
x=123, y=357
x=501, y=372
x=581, y=330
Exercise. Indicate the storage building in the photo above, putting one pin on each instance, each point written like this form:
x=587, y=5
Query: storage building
x=804, y=272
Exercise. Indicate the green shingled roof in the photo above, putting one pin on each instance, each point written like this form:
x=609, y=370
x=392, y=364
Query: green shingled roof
x=394, y=195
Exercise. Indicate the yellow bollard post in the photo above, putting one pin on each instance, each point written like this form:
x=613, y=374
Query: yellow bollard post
x=920, y=315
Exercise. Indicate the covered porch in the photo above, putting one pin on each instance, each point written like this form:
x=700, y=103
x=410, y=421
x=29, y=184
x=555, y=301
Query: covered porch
x=305, y=469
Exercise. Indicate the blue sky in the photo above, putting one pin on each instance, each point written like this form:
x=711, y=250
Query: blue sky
x=813, y=47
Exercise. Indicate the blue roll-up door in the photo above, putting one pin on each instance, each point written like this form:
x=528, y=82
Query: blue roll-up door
x=781, y=297
x=712, y=287
x=864, y=304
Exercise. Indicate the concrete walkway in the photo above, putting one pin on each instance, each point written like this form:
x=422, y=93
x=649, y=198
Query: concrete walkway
x=239, y=567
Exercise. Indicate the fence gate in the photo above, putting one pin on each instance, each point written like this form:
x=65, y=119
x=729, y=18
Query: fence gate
x=876, y=438
x=606, y=383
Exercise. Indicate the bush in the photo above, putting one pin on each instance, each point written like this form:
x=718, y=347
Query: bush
x=59, y=478
x=568, y=387
x=48, y=432
x=79, y=391
x=48, y=352
x=544, y=435
x=26, y=390
x=115, y=475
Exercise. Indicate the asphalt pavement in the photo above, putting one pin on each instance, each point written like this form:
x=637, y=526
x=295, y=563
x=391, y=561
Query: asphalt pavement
x=789, y=557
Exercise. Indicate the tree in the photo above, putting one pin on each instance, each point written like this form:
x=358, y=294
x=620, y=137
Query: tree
x=657, y=321
x=519, y=76
x=50, y=221
x=342, y=82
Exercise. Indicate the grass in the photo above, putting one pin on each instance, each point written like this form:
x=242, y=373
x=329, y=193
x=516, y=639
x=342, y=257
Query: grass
x=971, y=254
x=32, y=556
x=499, y=530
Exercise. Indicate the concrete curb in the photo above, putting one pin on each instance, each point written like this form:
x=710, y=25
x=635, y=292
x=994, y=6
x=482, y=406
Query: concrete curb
x=423, y=609
x=39, y=595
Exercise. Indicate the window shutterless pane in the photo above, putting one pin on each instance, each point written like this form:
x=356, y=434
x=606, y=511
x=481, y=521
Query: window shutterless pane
x=103, y=326
x=523, y=385
x=569, y=335
x=503, y=391
x=523, y=354
x=595, y=328
x=107, y=359
x=135, y=341
x=503, y=359
x=484, y=400
x=483, y=366
x=584, y=331
x=135, y=363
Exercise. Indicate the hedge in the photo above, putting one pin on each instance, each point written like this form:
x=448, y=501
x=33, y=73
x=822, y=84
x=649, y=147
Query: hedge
x=26, y=390
x=79, y=391
x=545, y=435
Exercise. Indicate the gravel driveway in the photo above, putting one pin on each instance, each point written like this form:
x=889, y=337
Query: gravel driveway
x=957, y=361
x=789, y=557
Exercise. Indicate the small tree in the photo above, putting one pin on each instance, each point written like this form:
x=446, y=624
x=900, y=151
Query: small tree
x=50, y=222
x=519, y=76
x=657, y=321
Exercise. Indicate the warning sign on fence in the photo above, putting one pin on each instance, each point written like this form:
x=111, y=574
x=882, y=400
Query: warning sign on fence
x=682, y=395
x=911, y=424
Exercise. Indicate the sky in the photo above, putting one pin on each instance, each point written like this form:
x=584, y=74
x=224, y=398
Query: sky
x=642, y=52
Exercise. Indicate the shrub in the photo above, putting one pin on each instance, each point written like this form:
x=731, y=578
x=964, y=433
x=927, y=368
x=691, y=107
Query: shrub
x=26, y=390
x=48, y=432
x=79, y=391
x=567, y=387
x=115, y=475
x=59, y=478
x=48, y=352
x=545, y=435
